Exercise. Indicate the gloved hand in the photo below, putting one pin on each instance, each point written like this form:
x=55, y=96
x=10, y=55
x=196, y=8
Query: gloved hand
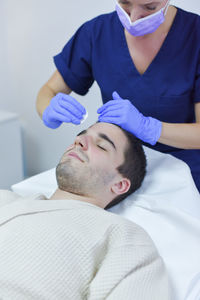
x=63, y=108
x=123, y=113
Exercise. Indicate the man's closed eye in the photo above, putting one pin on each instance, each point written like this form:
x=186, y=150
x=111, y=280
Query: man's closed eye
x=101, y=147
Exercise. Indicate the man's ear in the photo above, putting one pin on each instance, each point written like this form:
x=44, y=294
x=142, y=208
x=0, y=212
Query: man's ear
x=121, y=187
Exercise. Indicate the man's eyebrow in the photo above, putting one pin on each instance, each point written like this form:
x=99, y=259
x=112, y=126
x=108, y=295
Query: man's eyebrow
x=101, y=135
x=123, y=1
x=82, y=132
x=105, y=137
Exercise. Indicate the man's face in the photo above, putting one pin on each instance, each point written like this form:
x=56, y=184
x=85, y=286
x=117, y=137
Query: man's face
x=89, y=164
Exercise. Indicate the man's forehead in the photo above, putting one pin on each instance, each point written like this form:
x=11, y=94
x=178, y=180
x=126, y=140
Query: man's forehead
x=114, y=132
x=107, y=128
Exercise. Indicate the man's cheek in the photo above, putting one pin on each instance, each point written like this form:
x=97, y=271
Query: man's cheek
x=101, y=161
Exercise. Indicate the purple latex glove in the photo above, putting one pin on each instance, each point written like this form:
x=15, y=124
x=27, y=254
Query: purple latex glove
x=123, y=113
x=63, y=108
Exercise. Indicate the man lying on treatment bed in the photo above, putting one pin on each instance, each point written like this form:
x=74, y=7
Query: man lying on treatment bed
x=68, y=246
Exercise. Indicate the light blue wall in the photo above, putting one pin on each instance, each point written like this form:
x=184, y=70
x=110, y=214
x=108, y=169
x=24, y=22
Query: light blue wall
x=190, y=5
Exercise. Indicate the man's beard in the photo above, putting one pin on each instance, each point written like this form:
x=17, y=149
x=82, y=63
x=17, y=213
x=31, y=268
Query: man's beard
x=81, y=180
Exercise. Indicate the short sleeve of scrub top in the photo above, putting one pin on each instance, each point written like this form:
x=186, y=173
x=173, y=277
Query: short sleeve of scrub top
x=74, y=62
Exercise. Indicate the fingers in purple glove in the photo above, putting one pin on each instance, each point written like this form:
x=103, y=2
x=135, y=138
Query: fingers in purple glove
x=67, y=106
x=116, y=96
x=114, y=112
x=52, y=124
x=67, y=117
x=110, y=103
x=69, y=99
x=113, y=120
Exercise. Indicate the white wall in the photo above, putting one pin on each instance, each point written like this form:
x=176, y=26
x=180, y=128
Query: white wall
x=32, y=31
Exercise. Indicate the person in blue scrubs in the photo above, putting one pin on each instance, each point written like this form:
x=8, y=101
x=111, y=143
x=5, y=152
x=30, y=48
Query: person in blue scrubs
x=145, y=57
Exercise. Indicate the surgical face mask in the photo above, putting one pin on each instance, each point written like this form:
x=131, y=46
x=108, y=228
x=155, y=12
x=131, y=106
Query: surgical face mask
x=144, y=25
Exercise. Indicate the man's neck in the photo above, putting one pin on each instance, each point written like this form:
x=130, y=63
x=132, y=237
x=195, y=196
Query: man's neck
x=62, y=195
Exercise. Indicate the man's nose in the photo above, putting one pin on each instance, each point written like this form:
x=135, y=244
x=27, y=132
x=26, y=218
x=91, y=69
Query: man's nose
x=82, y=141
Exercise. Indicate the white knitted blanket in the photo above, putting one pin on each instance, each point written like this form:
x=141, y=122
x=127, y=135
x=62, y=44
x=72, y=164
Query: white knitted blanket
x=68, y=249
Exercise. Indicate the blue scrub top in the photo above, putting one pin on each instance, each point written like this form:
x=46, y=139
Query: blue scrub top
x=168, y=89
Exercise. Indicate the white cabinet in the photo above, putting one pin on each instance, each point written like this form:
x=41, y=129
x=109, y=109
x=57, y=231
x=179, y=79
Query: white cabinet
x=11, y=160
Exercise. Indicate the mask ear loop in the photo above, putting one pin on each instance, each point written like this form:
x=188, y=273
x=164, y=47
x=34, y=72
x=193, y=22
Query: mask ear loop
x=165, y=8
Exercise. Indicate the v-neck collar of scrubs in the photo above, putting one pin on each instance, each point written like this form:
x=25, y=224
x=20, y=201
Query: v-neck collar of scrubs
x=130, y=63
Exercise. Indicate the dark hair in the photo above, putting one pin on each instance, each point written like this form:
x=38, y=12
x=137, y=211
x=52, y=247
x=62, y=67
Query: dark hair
x=133, y=167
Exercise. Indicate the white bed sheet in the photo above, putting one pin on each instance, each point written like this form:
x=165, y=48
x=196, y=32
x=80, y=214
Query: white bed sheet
x=167, y=206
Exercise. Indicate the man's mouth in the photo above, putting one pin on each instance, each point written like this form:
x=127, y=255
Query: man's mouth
x=73, y=154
